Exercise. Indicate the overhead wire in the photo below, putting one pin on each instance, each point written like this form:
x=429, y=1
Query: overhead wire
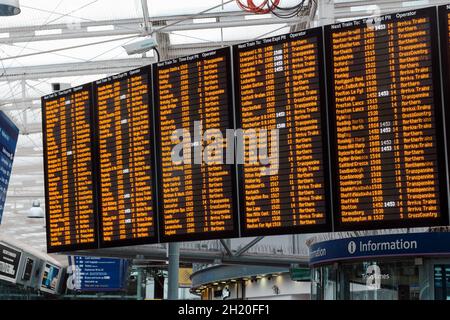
x=85, y=60
x=46, y=22
x=82, y=18
x=70, y=12
x=123, y=38
x=263, y=8
x=288, y=12
x=250, y=4
x=191, y=16
x=69, y=47
x=273, y=7
x=61, y=15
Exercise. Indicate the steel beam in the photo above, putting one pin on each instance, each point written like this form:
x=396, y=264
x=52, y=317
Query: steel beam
x=29, y=128
x=326, y=12
x=374, y=9
x=33, y=196
x=26, y=152
x=206, y=257
x=398, y=4
x=73, y=69
x=27, y=167
x=19, y=100
x=123, y=27
x=226, y=247
x=229, y=24
x=248, y=246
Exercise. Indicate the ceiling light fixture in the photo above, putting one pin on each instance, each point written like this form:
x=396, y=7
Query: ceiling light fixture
x=36, y=211
x=9, y=7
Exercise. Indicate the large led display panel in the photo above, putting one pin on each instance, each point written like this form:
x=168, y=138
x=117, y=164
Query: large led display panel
x=386, y=121
x=68, y=163
x=279, y=87
x=124, y=124
x=197, y=190
x=444, y=31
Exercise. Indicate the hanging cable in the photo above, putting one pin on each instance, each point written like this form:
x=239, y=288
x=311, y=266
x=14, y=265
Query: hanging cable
x=274, y=7
x=263, y=8
x=158, y=56
x=291, y=12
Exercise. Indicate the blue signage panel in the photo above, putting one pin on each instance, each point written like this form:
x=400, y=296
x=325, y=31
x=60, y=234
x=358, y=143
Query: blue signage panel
x=404, y=244
x=9, y=134
x=98, y=274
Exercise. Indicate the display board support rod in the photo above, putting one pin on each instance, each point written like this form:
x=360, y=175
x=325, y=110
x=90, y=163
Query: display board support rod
x=295, y=244
x=174, y=266
x=139, y=284
x=248, y=246
x=139, y=280
x=226, y=247
x=145, y=13
x=326, y=12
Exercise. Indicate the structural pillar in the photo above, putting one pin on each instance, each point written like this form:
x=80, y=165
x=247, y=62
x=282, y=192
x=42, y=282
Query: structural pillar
x=139, y=284
x=326, y=12
x=174, y=266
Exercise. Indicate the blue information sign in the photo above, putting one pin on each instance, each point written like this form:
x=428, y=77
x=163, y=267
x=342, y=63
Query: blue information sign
x=98, y=274
x=9, y=134
x=378, y=246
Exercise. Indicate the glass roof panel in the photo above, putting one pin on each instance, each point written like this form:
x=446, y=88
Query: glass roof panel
x=101, y=51
x=45, y=12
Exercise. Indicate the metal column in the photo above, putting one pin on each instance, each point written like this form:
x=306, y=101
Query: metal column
x=139, y=284
x=326, y=12
x=174, y=266
x=145, y=13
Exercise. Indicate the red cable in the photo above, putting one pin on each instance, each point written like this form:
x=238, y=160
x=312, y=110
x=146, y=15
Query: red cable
x=258, y=9
x=243, y=6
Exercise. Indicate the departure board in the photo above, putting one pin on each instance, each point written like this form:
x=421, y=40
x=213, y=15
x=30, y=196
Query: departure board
x=279, y=87
x=444, y=31
x=125, y=158
x=386, y=121
x=68, y=163
x=197, y=197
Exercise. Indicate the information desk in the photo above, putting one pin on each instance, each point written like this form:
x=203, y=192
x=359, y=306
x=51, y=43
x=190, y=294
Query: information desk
x=69, y=180
x=279, y=85
x=125, y=156
x=197, y=196
x=386, y=122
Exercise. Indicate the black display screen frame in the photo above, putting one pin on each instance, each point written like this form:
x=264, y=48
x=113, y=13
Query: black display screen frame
x=443, y=220
x=444, y=30
x=6, y=252
x=82, y=246
x=327, y=226
x=226, y=52
x=146, y=71
x=28, y=269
